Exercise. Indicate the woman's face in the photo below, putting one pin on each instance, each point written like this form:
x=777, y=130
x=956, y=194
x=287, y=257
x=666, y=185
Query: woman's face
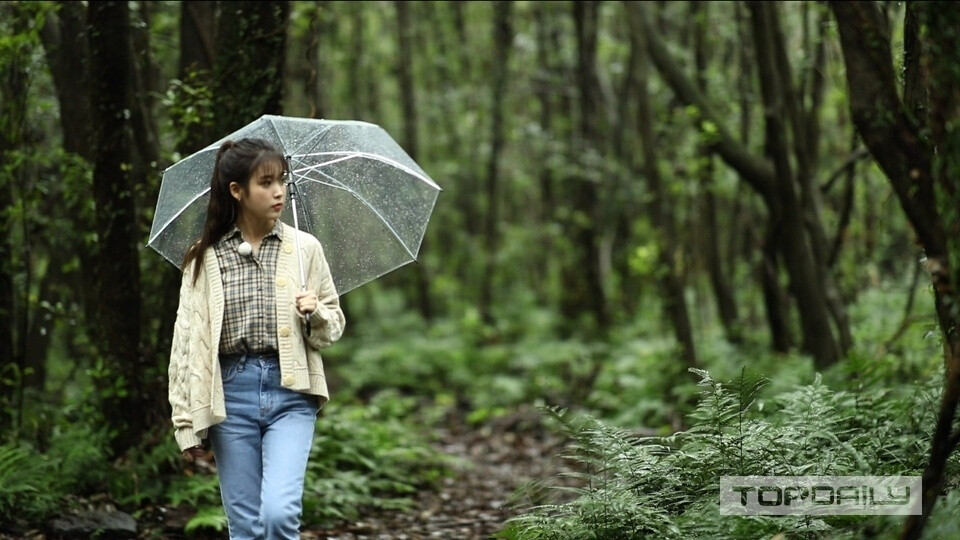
x=265, y=194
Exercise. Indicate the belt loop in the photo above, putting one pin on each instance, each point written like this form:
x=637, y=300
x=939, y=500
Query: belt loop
x=243, y=362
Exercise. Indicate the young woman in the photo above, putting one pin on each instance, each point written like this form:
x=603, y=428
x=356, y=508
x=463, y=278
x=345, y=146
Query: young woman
x=245, y=371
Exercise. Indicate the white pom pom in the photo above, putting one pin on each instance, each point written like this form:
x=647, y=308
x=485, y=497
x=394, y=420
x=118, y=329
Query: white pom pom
x=245, y=249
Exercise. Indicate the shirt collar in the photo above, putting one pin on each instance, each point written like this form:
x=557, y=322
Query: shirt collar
x=277, y=231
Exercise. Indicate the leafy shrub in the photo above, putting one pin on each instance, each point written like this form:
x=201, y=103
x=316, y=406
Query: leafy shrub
x=151, y=473
x=365, y=456
x=201, y=492
x=79, y=454
x=667, y=486
x=27, y=484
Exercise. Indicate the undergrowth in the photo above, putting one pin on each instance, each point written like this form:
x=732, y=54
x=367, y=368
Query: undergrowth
x=628, y=486
x=649, y=440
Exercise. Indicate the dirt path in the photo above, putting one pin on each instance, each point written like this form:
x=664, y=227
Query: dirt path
x=478, y=501
x=473, y=503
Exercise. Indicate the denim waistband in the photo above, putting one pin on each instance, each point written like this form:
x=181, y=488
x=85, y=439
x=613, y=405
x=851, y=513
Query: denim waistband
x=247, y=357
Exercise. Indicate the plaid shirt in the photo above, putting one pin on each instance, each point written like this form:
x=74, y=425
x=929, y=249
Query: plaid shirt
x=250, y=301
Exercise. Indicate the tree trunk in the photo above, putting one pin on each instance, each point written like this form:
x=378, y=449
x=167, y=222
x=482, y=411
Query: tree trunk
x=924, y=173
x=197, y=36
x=318, y=71
x=145, y=162
x=360, y=66
x=410, y=143
x=118, y=269
x=67, y=49
x=805, y=130
x=68, y=54
x=408, y=98
x=14, y=83
x=670, y=278
x=722, y=290
x=775, y=301
x=250, y=57
x=502, y=39
x=619, y=239
x=583, y=304
x=144, y=85
x=796, y=244
x=446, y=82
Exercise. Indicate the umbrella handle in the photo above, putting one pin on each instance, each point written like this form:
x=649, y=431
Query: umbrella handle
x=294, y=192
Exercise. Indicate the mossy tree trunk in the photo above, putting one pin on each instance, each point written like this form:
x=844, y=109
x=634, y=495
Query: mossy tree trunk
x=916, y=142
x=14, y=82
x=118, y=269
x=249, y=68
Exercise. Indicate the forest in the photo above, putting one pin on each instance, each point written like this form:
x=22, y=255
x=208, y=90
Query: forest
x=676, y=241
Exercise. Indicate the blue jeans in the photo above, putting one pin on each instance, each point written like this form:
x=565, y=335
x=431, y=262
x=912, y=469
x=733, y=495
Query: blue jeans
x=261, y=449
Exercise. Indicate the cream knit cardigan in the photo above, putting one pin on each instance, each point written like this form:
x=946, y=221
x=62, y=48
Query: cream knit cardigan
x=196, y=388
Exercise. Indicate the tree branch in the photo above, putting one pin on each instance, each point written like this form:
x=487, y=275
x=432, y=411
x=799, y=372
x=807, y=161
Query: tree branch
x=756, y=171
x=848, y=162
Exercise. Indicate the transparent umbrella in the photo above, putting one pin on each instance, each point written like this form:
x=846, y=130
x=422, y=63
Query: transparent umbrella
x=356, y=190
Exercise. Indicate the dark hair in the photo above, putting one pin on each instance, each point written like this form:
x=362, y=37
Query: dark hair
x=236, y=162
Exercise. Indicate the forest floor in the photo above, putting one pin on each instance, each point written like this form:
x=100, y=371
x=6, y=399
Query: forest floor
x=490, y=463
x=477, y=500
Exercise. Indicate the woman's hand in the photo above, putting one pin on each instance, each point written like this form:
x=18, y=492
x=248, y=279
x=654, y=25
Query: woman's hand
x=193, y=454
x=307, y=302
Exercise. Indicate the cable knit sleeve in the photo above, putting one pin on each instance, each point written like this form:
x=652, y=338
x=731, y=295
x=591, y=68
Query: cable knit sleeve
x=179, y=369
x=327, y=322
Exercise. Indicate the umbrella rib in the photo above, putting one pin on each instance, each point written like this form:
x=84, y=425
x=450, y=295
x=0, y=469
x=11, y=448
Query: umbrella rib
x=368, y=205
x=353, y=155
x=283, y=143
x=334, y=183
x=181, y=211
x=317, y=141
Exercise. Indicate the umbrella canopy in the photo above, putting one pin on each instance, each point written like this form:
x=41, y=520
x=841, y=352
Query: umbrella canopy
x=359, y=193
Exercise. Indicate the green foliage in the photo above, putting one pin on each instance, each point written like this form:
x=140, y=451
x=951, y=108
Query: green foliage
x=189, y=103
x=27, y=484
x=80, y=453
x=668, y=486
x=395, y=372
x=202, y=493
x=365, y=456
x=151, y=474
x=208, y=517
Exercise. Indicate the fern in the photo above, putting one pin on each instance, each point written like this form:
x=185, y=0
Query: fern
x=195, y=491
x=207, y=517
x=629, y=487
x=365, y=457
x=26, y=484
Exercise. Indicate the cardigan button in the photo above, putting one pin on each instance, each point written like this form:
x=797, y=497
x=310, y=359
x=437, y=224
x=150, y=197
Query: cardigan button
x=288, y=249
x=281, y=282
x=288, y=380
x=285, y=332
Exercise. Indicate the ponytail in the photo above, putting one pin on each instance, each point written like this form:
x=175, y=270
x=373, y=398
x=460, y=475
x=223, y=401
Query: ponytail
x=235, y=162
